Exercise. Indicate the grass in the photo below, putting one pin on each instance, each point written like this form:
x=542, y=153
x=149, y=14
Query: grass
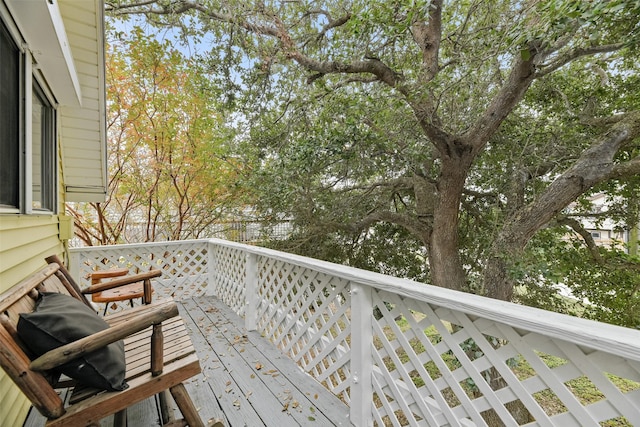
x=582, y=387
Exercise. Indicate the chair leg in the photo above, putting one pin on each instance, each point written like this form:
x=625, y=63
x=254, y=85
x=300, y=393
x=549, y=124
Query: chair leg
x=166, y=411
x=186, y=406
x=120, y=418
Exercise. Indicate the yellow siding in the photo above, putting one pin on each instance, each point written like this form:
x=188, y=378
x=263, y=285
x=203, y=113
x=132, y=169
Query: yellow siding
x=25, y=240
x=83, y=137
x=24, y=243
x=13, y=405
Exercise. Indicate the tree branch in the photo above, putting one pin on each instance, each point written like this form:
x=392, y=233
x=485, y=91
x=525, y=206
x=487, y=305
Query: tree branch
x=625, y=170
x=544, y=69
x=595, y=165
x=411, y=224
x=586, y=237
x=397, y=183
x=519, y=80
x=428, y=36
x=333, y=24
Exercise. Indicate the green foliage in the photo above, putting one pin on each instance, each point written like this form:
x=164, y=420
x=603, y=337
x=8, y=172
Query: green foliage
x=356, y=161
x=598, y=20
x=607, y=290
x=170, y=176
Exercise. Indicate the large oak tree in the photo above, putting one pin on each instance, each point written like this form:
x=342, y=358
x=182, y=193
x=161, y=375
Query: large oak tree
x=465, y=126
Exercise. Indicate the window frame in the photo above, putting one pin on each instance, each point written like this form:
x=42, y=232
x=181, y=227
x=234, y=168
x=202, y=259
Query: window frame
x=31, y=83
x=48, y=151
x=9, y=32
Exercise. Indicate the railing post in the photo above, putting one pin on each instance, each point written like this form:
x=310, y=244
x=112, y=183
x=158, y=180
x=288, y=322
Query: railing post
x=361, y=413
x=74, y=264
x=251, y=292
x=212, y=288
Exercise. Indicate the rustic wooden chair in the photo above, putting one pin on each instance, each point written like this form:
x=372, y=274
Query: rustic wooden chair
x=129, y=287
x=158, y=351
x=120, y=293
x=125, y=287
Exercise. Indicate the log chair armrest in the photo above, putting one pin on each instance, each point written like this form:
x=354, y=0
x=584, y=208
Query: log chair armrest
x=140, y=277
x=153, y=314
x=96, y=276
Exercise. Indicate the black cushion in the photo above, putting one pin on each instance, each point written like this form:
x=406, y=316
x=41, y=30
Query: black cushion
x=60, y=319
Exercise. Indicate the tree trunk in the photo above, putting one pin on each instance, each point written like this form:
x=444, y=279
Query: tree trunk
x=516, y=408
x=444, y=257
x=592, y=167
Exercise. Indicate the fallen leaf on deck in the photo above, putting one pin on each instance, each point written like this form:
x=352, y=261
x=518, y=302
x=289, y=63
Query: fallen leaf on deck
x=259, y=366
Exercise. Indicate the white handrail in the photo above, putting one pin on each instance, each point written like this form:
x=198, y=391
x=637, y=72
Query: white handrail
x=321, y=314
x=602, y=336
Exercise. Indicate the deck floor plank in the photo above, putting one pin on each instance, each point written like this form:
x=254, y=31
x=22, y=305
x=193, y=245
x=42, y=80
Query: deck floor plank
x=214, y=384
x=245, y=380
x=260, y=369
x=275, y=398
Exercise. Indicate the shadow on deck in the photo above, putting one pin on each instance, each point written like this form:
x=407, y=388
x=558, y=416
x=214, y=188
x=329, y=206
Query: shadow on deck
x=245, y=379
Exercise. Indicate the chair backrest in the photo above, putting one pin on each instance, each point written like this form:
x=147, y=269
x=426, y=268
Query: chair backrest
x=14, y=356
x=64, y=276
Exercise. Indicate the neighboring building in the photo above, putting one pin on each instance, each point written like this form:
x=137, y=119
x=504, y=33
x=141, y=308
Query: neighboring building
x=52, y=136
x=605, y=232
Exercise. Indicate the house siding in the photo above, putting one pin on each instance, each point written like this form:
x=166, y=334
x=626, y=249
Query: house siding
x=25, y=240
x=13, y=405
x=83, y=138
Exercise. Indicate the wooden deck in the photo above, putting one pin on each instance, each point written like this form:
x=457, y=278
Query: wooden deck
x=245, y=380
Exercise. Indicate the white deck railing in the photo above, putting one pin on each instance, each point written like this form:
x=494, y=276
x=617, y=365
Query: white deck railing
x=429, y=357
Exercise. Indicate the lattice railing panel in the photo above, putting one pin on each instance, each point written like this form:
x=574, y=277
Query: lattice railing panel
x=305, y=314
x=229, y=272
x=435, y=366
x=427, y=356
x=183, y=265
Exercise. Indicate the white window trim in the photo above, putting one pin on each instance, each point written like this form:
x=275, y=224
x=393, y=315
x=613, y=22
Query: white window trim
x=36, y=77
x=28, y=134
x=25, y=180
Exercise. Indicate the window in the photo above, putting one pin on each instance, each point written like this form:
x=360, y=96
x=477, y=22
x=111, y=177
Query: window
x=28, y=174
x=10, y=77
x=43, y=149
